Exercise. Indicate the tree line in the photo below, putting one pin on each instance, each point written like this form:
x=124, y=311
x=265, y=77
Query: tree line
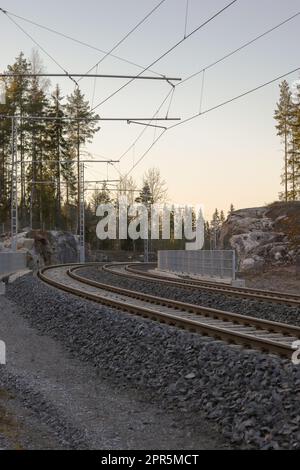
x=48, y=150
x=49, y=153
x=212, y=229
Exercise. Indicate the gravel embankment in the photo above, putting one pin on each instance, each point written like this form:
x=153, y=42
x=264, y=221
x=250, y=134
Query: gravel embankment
x=253, y=398
x=267, y=310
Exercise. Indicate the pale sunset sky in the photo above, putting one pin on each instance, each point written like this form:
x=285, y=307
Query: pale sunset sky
x=231, y=155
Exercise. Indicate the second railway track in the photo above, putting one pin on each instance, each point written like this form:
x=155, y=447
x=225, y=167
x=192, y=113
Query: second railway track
x=136, y=271
x=249, y=332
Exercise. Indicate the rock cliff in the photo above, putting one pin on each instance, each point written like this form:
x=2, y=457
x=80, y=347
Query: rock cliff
x=263, y=236
x=45, y=247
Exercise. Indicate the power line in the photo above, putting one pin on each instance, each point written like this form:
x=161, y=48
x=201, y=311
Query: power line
x=220, y=105
x=127, y=35
x=172, y=91
x=240, y=48
x=78, y=41
x=167, y=52
x=39, y=46
x=202, y=91
x=235, y=98
x=186, y=17
x=146, y=152
x=243, y=46
x=94, y=88
x=144, y=130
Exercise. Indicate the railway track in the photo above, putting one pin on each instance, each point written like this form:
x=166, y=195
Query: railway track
x=137, y=271
x=249, y=332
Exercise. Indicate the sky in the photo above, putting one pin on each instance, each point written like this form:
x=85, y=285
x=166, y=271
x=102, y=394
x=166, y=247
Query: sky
x=231, y=155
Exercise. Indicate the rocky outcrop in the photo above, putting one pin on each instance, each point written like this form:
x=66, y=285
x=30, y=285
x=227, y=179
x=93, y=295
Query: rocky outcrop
x=45, y=247
x=263, y=236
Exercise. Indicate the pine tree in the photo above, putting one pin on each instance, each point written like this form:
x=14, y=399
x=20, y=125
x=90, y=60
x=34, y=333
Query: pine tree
x=222, y=217
x=16, y=97
x=58, y=148
x=207, y=236
x=48, y=149
x=5, y=150
x=294, y=159
x=99, y=196
x=231, y=210
x=283, y=115
x=41, y=195
x=215, y=228
x=81, y=129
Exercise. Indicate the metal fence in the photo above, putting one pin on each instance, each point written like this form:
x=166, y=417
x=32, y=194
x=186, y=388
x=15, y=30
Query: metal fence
x=11, y=262
x=206, y=263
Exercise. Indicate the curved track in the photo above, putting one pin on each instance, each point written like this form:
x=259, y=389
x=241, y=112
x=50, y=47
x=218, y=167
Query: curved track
x=272, y=337
x=138, y=271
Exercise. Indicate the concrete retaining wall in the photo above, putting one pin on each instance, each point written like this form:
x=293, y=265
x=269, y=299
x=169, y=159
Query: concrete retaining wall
x=11, y=262
x=204, y=263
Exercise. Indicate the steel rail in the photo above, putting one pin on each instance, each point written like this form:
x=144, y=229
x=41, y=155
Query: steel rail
x=255, y=294
x=212, y=330
x=224, y=315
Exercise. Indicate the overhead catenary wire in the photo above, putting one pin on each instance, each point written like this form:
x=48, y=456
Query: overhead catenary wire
x=230, y=54
x=144, y=130
x=39, y=46
x=170, y=93
x=145, y=153
x=240, y=48
x=213, y=108
x=239, y=96
x=186, y=17
x=127, y=35
x=94, y=88
x=173, y=47
x=202, y=91
x=235, y=98
x=170, y=102
x=78, y=41
x=218, y=13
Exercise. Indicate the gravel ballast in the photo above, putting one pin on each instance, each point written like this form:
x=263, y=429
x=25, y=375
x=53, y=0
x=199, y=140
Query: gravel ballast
x=252, y=398
x=51, y=400
x=267, y=310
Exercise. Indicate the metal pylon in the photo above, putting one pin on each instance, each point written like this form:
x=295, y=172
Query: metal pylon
x=14, y=183
x=81, y=215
